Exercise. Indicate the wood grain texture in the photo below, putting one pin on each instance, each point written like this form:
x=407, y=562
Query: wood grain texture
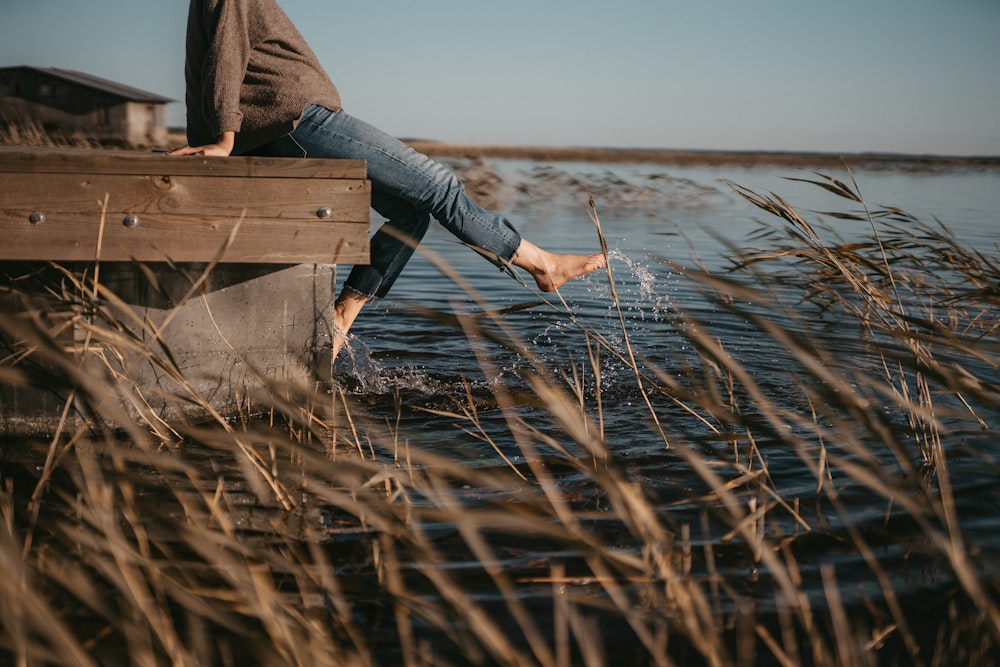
x=222, y=197
x=160, y=237
x=284, y=210
x=19, y=159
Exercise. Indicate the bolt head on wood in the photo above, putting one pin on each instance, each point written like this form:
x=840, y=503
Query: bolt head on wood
x=36, y=217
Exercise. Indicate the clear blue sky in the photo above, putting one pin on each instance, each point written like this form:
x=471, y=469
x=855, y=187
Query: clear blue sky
x=912, y=76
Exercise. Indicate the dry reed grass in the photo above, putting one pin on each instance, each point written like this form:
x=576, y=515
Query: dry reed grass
x=28, y=132
x=321, y=535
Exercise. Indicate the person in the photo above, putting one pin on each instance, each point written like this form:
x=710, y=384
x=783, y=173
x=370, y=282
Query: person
x=254, y=87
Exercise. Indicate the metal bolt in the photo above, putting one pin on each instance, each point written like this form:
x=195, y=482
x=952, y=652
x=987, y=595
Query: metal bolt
x=131, y=220
x=324, y=213
x=36, y=217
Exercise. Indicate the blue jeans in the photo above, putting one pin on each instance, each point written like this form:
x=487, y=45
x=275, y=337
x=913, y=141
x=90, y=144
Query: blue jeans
x=408, y=189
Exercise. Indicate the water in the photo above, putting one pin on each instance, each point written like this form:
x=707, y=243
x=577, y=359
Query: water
x=655, y=219
x=651, y=216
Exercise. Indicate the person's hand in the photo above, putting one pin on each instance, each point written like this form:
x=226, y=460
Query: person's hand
x=209, y=149
x=221, y=148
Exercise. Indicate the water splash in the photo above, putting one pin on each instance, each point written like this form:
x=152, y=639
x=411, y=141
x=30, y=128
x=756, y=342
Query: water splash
x=361, y=374
x=641, y=292
x=356, y=371
x=428, y=372
x=645, y=293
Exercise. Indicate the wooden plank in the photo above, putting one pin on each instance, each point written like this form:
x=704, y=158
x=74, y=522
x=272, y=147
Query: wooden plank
x=225, y=197
x=47, y=160
x=56, y=204
x=161, y=237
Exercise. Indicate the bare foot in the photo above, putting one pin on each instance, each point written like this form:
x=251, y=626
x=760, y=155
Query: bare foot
x=346, y=309
x=551, y=270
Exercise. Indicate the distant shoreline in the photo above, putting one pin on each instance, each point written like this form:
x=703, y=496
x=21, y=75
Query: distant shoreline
x=693, y=158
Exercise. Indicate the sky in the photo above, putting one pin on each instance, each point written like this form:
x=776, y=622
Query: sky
x=899, y=76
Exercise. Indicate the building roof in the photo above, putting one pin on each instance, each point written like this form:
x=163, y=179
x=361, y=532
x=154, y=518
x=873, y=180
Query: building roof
x=126, y=92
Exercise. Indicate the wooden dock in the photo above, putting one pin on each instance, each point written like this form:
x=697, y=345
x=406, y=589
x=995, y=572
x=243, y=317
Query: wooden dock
x=83, y=205
x=226, y=266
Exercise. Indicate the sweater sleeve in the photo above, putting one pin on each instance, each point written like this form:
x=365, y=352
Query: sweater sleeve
x=226, y=22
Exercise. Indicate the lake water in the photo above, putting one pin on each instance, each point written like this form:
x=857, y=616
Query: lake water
x=651, y=216
x=656, y=218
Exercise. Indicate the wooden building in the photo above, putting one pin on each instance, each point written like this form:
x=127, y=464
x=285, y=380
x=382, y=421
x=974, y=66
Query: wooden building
x=64, y=101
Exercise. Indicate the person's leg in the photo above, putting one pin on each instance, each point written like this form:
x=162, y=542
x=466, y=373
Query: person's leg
x=345, y=310
x=403, y=173
x=391, y=248
x=402, y=177
x=399, y=172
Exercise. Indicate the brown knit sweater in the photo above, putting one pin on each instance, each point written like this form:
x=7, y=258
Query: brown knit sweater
x=250, y=71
